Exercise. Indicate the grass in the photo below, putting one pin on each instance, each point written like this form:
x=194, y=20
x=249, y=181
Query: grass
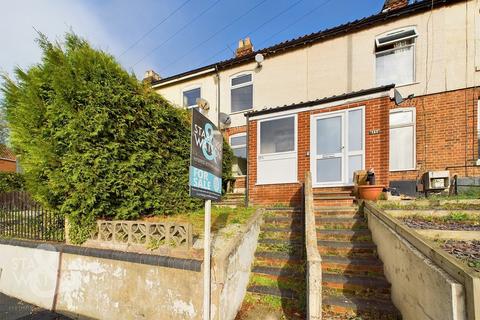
x=221, y=217
x=291, y=284
x=456, y=216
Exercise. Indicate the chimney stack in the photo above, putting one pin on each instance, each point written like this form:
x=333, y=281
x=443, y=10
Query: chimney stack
x=245, y=47
x=151, y=76
x=394, y=5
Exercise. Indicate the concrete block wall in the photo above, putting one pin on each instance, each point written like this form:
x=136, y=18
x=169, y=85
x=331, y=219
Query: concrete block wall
x=93, y=283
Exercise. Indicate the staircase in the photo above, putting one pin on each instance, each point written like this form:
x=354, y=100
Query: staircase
x=277, y=284
x=353, y=279
x=232, y=200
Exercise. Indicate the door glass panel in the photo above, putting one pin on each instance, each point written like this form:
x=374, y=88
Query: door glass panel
x=329, y=170
x=277, y=135
x=329, y=135
x=354, y=163
x=355, y=128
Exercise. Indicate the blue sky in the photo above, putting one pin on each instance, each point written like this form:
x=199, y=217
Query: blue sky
x=180, y=42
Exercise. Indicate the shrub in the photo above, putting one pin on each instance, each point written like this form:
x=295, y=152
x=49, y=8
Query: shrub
x=11, y=182
x=94, y=142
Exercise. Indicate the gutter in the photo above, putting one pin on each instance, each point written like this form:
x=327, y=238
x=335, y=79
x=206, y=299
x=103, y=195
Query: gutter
x=185, y=76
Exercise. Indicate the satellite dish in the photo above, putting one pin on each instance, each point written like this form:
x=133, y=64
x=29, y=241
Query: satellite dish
x=225, y=119
x=259, y=58
x=397, y=97
x=203, y=104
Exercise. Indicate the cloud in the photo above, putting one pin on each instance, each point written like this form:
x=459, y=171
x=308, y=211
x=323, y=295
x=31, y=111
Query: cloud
x=51, y=17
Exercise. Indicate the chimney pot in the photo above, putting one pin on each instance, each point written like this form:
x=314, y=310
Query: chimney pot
x=245, y=47
x=394, y=5
x=151, y=76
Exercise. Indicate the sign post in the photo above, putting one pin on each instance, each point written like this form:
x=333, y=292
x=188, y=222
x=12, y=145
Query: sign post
x=205, y=182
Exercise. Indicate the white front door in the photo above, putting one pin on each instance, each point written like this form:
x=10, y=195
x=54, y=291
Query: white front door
x=337, y=147
x=277, y=150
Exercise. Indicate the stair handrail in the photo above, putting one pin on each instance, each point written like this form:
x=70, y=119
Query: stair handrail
x=314, y=259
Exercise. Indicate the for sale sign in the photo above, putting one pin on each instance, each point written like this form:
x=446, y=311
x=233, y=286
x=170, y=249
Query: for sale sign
x=205, y=159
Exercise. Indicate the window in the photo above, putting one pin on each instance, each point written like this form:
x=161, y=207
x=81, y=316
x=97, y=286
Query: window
x=238, y=143
x=190, y=97
x=402, y=139
x=241, y=93
x=395, y=57
x=478, y=132
x=277, y=136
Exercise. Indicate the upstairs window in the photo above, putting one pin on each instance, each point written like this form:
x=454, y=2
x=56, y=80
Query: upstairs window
x=241, y=93
x=190, y=97
x=238, y=143
x=395, y=57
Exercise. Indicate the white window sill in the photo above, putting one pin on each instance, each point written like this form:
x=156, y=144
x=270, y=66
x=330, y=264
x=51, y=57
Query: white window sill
x=401, y=170
x=240, y=112
x=244, y=176
x=275, y=183
x=478, y=162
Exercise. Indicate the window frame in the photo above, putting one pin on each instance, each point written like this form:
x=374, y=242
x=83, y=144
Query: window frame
x=413, y=124
x=236, y=135
x=478, y=133
x=190, y=88
x=295, y=135
x=238, y=75
x=378, y=50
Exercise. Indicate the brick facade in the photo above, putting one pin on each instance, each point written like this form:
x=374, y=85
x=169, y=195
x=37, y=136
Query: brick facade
x=8, y=165
x=376, y=152
x=446, y=139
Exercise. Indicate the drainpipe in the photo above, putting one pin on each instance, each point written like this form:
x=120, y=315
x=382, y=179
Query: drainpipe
x=247, y=177
x=217, y=75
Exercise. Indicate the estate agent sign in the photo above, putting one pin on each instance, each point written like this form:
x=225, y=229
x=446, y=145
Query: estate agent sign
x=205, y=159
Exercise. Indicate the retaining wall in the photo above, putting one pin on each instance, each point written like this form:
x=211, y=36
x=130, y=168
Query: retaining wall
x=97, y=283
x=420, y=289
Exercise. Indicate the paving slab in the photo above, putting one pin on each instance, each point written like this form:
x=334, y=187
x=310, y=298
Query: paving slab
x=14, y=309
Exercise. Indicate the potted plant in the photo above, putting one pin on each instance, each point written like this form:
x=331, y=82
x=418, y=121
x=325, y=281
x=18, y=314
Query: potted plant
x=370, y=191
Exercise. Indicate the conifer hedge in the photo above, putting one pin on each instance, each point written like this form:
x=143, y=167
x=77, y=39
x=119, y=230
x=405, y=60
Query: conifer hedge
x=93, y=141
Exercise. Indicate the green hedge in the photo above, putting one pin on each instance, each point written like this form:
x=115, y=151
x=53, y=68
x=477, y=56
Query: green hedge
x=94, y=141
x=11, y=182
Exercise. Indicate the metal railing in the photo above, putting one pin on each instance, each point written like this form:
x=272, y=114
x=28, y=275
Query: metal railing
x=314, y=260
x=22, y=217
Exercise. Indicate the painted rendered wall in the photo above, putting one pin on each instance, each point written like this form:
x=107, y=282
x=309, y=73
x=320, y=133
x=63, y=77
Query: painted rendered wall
x=420, y=289
x=29, y=274
x=347, y=64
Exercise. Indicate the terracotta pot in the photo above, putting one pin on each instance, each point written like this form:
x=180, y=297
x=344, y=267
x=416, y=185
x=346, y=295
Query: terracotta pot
x=368, y=192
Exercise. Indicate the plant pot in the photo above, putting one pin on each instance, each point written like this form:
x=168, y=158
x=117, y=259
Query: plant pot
x=368, y=192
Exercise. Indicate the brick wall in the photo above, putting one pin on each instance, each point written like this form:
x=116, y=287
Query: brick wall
x=8, y=166
x=376, y=152
x=446, y=134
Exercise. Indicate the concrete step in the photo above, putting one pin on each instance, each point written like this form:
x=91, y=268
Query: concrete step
x=297, y=229
x=352, y=266
x=280, y=209
x=335, y=201
x=273, y=291
x=344, y=235
x=275, y=255
x=284, y=272
x=285, y=222
x=384, y=309
x=356, y=284
x=291, y=242
x=347, y=248
x=340, y=212
x=341, y=223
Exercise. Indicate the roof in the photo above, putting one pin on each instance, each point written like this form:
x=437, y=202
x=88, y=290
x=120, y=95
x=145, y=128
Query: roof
x=6, y=153
x=342, y=30
x=311, y=103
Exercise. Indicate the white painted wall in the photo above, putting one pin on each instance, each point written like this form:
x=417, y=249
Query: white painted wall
x=446, y=56
x=29, y=274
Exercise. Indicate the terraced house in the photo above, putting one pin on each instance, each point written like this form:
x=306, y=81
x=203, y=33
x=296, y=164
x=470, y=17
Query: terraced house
x=324, y=102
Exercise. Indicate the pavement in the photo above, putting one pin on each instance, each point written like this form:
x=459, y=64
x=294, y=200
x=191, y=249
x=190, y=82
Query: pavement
x=14, y=309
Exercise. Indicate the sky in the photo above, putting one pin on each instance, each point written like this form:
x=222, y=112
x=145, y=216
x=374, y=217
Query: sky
x=168, y=36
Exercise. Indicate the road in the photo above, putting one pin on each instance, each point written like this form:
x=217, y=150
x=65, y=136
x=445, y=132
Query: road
x=13, y=309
